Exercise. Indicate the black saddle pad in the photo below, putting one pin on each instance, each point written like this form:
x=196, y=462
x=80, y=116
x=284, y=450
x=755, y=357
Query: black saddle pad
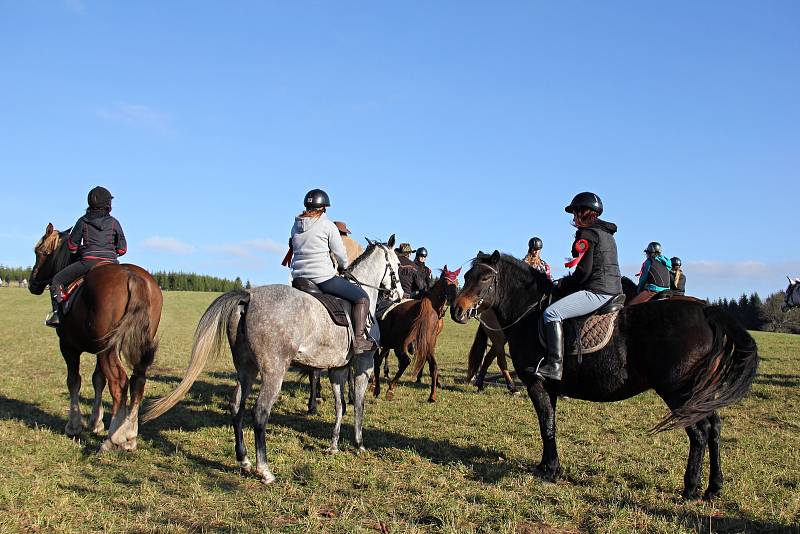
x=334, y=305
x=73, y=291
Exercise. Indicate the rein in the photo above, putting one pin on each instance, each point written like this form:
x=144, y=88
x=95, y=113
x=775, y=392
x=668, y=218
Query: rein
x=392, y=275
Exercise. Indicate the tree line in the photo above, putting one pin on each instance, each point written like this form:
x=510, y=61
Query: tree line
x=167, y=280
x=766, y=315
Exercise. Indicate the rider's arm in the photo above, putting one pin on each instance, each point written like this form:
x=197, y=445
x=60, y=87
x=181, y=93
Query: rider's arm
x=337, y=246
x=583, y=270
x=120, y=243
x=75, y=236
x=643, y=275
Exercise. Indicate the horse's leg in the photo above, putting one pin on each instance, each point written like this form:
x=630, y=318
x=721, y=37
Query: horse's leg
x=698, y=438
x=72, y=358
x=99, y=382
x=545, y=403
x=382, y=354
x=118, y=387
x=245, y=374
x=487, y=361
x=312, y=394
x=361, y=369
x=503, y=365
x=403, y=361
x=715, y=468
x=434, y=368
x=386, y=365
x=418, y=380
x=338, y=377
x=271, y=382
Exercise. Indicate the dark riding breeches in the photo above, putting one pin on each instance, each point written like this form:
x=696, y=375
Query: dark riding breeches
x=69, y=274
x=340, y=287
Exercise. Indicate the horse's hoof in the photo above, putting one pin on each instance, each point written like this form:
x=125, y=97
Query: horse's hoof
x=360, y=450
x=128, y=446
x=246, y=467
x=332, y=450
x=74, y=430
x=105, y=447
x=711, y=494
x=546, y=473
x=268, y=479
x=690, y=495
x=389, y=395
x=431, y=399
x=98, y=427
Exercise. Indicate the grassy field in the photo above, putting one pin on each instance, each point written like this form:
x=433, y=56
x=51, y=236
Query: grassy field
x=460, y=465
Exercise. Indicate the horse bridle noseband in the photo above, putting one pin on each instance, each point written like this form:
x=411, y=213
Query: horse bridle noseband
x=392, y=275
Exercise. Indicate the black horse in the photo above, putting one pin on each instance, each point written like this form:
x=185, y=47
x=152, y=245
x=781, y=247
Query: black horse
x=696, y=357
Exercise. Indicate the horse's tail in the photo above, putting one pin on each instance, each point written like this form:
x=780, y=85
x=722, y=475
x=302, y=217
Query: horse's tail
x=422, y=335
x=477, y=352
x=723, y=377
x=207, y=340
x=131, y=338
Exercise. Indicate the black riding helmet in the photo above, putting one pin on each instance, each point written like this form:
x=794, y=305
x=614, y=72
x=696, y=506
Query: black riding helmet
x=316, y=198
x=676, y=261
x=422, y=252
x=653, y=248
x=99, y=197
x=535, y=244
x=585, y=200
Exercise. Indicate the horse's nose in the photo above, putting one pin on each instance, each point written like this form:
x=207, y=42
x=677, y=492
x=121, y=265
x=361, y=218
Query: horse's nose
x=457, y=313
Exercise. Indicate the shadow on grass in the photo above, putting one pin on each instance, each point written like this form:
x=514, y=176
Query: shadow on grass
x=30, y=414
x=780, y=380
x=693, y=520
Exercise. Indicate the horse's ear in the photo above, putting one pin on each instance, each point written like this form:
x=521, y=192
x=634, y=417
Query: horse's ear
x=369, y=241
x=457, y=271
x=444, y=269
x=495, y=256
x=49, y=229
x=390, y=243
x=480, y=253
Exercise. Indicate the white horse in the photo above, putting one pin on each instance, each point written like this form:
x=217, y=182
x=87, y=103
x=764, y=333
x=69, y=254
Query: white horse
x=271, y=327
x=792, y=299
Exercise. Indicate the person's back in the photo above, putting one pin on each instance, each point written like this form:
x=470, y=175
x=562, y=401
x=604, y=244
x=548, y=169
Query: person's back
x=410, y=279
x=352, y=247
x=677, y=278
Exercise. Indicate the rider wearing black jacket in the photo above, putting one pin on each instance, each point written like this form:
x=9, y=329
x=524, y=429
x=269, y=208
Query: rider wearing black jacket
x=96, y=237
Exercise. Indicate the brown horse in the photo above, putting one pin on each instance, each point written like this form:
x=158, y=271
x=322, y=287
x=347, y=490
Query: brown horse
x=413, y=327
x=114, y=315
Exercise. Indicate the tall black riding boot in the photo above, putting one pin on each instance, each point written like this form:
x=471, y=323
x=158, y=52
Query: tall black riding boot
x=362, y=343
x=53, y=318
x=555, y=352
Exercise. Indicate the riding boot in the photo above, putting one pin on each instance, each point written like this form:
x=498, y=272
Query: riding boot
x=555, y=352
x=53, y=318
x=361, y=343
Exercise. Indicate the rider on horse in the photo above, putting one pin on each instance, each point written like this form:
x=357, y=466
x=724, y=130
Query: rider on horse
x=677, y=280
x=424, y=271
x=410, y=279
x=534, y=257
x=314, y=238
x=96, y=237
x=596, y=279
x=655, y=274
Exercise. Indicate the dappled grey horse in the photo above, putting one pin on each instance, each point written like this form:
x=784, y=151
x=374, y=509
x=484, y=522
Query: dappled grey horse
x=792, y=299
x=271, y=327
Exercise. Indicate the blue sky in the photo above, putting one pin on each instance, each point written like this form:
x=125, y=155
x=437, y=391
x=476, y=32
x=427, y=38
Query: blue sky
x=459, y=126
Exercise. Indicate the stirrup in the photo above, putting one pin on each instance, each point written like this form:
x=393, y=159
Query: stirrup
x=52, y=319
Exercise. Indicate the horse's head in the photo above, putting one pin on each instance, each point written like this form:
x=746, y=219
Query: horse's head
x=450, y=281
x=480, y=288
x=44, y=267
x=382, y=263
x=792, y=299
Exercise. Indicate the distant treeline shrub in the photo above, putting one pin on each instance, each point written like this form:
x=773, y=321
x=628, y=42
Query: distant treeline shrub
x=14, y=274
x=767, y=315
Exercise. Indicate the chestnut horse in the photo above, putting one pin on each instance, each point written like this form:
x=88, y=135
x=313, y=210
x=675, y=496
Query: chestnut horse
x=114, y=315
x=696, y=357
x=413, y=327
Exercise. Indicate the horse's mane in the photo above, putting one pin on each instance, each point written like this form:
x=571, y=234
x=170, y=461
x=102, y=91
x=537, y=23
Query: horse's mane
x=55, y=245
x=517, y=270
x=361, y=257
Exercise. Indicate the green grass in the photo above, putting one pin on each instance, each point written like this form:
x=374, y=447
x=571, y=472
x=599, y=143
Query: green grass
x=462, y=464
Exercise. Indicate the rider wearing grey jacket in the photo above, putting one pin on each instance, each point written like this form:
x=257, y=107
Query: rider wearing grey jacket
x=314, y=239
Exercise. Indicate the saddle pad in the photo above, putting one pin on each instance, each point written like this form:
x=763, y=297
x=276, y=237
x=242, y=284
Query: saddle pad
x=72, y=290
x=595, y=333
x=334, y=307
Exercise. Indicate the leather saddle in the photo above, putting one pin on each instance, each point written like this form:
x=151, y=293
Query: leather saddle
x=334, y=305
x=589, y=333
x=73, y=289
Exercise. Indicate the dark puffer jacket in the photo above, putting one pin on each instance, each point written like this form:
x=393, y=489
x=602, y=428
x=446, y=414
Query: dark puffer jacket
x=97, y=236
x=410, y=278
x=597, y=268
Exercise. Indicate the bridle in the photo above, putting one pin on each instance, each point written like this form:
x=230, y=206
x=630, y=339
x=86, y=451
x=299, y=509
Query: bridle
x=542, y=303
x=388, y=268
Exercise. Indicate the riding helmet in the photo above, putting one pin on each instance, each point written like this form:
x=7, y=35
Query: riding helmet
x=316, y=198
x=585, y=200
x=99, y=197
x=422, y=252
x=676, y=261
x=535, y=244
x=653, y=248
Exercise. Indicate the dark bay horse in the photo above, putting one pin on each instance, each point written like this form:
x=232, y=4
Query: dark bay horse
x=114, y=315
x=413, y=327
x=490, y=330
x=696, y=357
